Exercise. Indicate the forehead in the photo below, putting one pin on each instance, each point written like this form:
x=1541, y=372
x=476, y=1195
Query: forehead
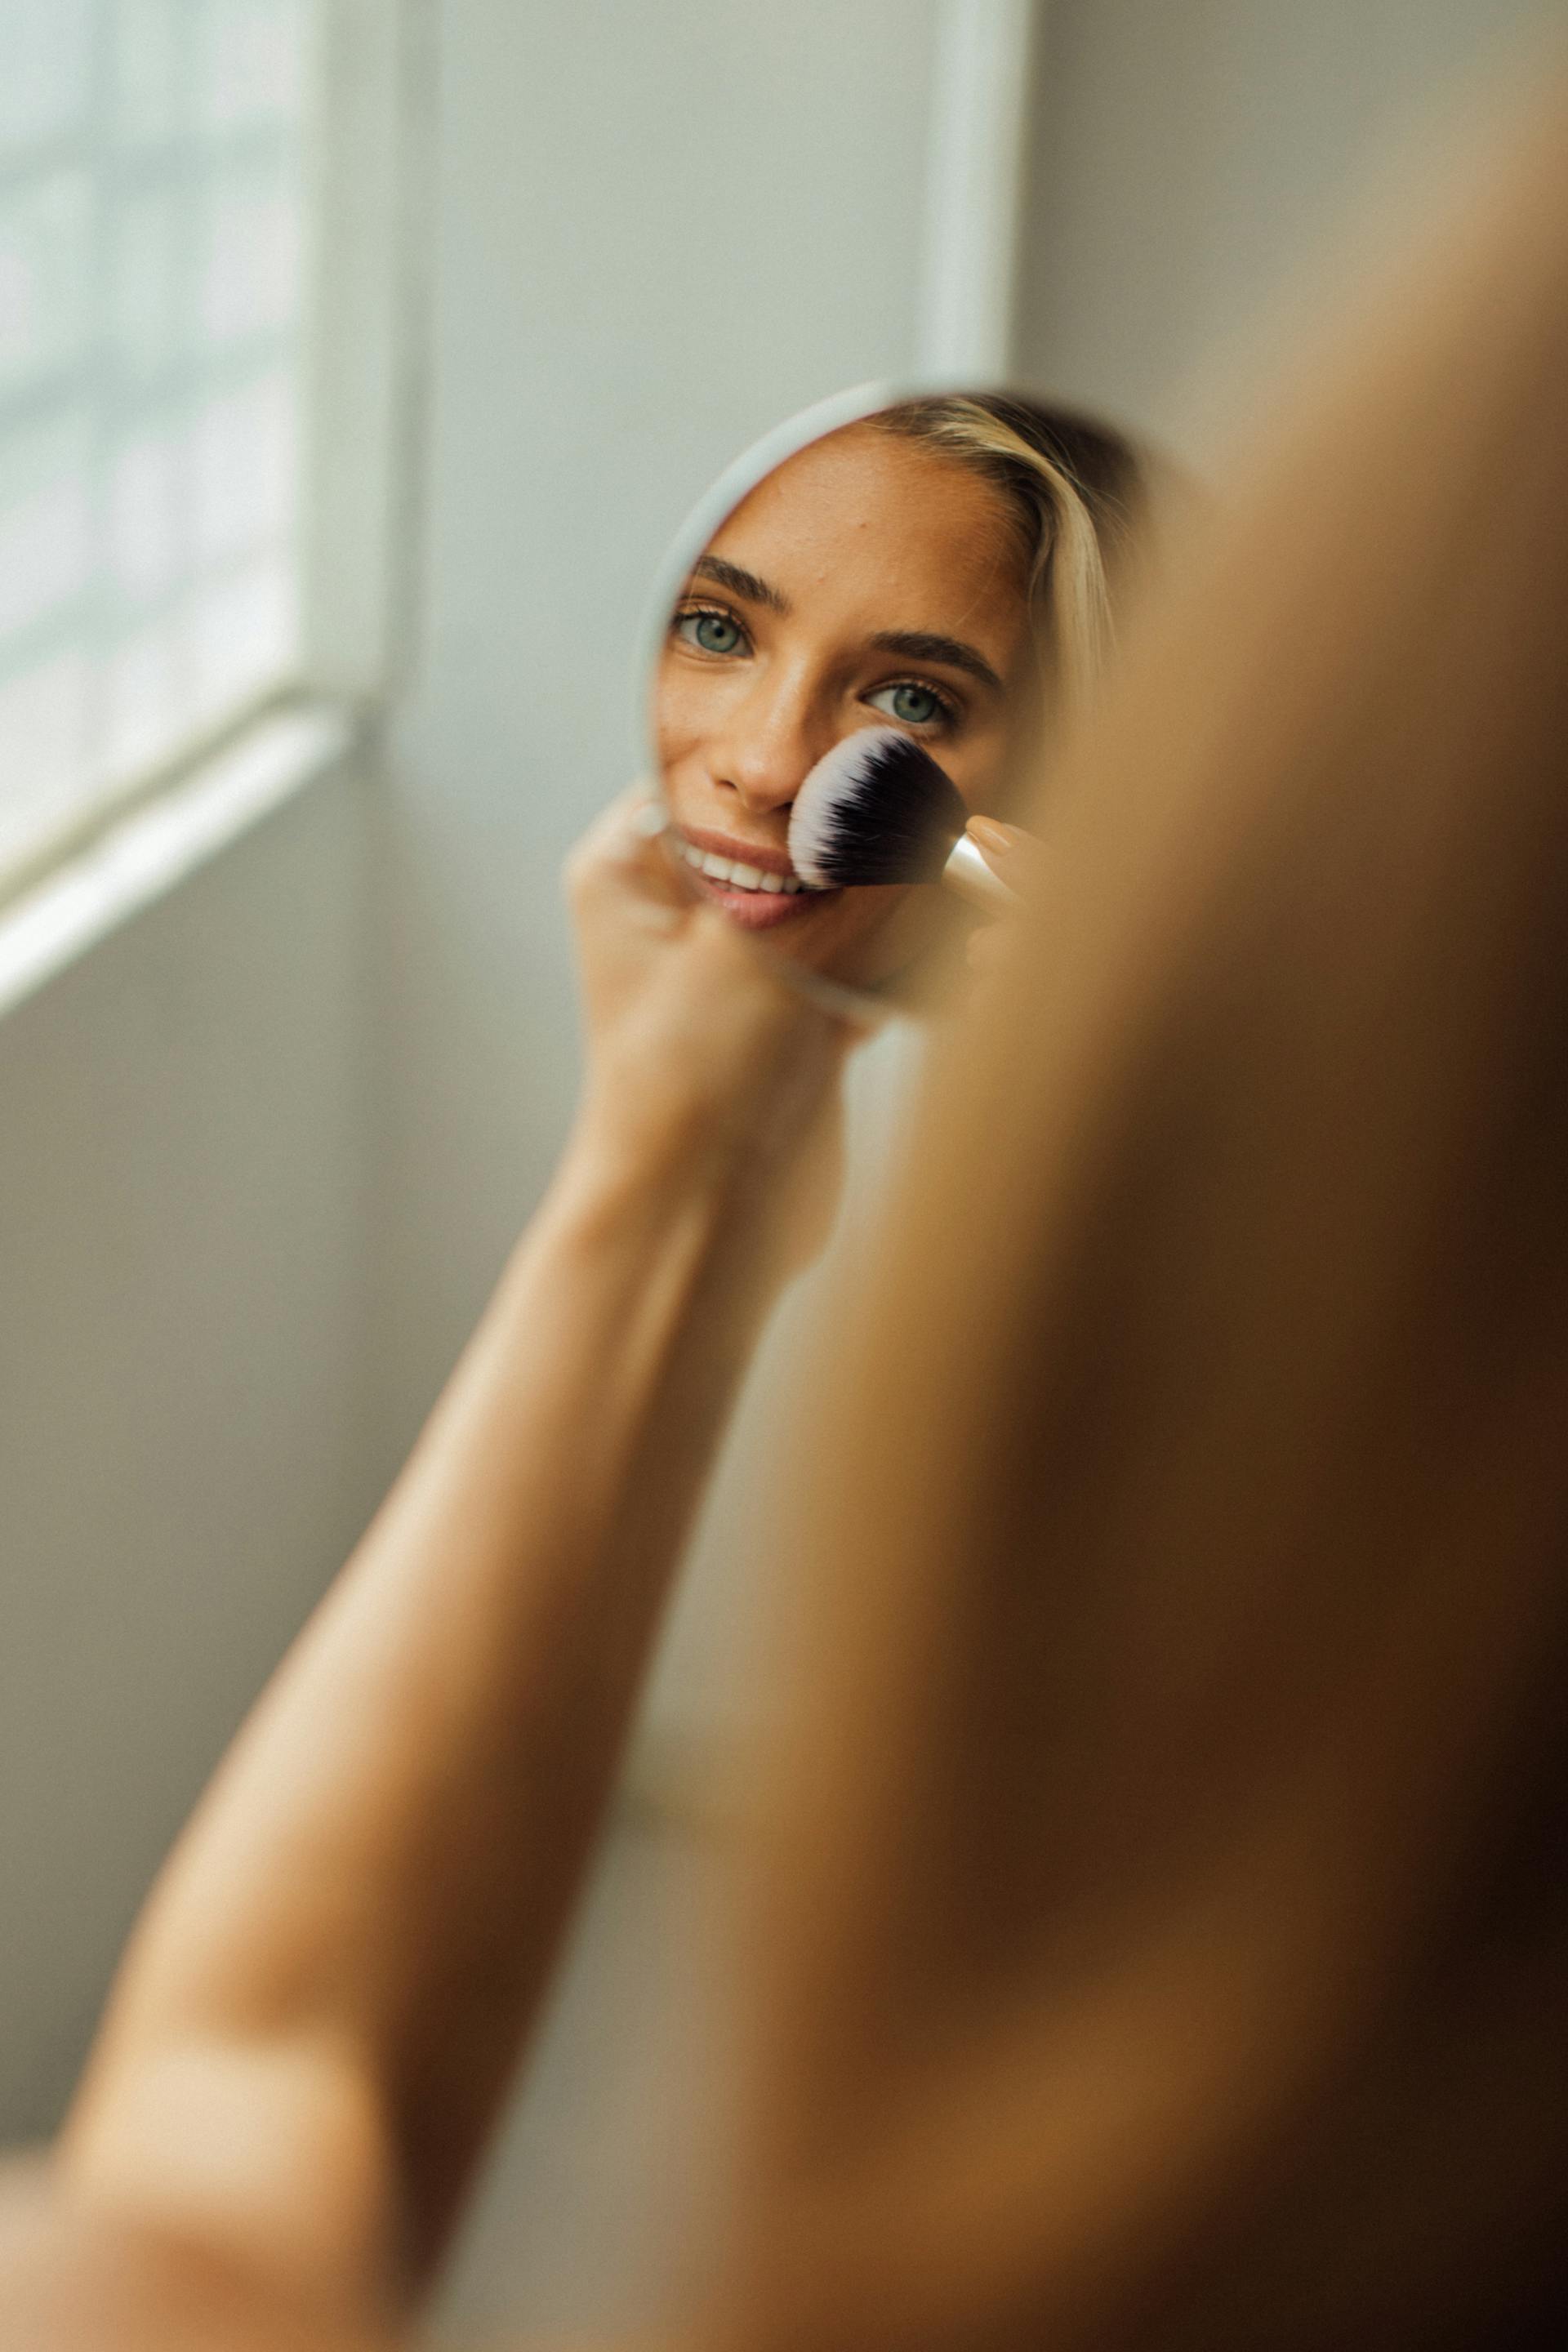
x=882, y=530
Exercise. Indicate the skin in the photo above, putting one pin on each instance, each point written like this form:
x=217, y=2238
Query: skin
x=1164, y=1936
x=773, y=656
x=321, y=2010
x=320, y=2013
x=317, y=2018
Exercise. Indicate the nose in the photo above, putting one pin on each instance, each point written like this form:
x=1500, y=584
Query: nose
x=770, y=745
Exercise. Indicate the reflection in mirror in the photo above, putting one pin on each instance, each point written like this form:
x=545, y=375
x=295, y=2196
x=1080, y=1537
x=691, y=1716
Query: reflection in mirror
x=939, y=569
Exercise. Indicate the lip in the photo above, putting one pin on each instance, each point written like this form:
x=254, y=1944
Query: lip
x=752, y=911
x=740, y=852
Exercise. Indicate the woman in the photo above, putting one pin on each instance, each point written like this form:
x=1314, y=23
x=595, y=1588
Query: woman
x=1160, y=1938
x=944, y=567
x=319, y=2013
x=317, y=2018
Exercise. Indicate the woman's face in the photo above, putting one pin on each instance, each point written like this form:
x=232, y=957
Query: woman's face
x=867, y=582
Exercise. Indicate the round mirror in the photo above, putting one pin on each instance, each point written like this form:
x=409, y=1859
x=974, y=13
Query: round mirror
x=859, y=634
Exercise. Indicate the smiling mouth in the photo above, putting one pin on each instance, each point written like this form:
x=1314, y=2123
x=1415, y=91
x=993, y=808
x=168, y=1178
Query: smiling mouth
x=736, y=874
x=757, y=898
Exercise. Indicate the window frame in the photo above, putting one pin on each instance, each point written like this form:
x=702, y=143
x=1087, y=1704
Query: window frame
x=369, y=111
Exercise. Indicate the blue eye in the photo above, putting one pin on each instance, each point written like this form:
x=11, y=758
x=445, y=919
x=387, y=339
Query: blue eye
x=914, y=706
x=710, y=631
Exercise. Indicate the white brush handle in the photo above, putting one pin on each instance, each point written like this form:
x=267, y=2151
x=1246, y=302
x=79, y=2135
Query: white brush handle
x=967, y=873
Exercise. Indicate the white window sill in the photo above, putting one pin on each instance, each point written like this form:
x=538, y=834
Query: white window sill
x=152, y=847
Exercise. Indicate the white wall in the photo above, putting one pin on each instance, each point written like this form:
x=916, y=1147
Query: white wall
x=1188, y=159
x=182, y=1347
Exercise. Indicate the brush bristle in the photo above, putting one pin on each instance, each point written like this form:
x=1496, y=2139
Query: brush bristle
x=876, y=810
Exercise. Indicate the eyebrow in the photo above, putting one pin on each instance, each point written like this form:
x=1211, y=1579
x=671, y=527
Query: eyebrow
x=741, y=581
x=914, y=645
x=919, y=645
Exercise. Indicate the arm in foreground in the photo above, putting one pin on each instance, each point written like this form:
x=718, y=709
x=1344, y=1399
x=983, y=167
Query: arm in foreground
x=1165, y=1943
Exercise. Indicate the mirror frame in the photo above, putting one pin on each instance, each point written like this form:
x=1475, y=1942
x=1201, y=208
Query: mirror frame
x=739, y=479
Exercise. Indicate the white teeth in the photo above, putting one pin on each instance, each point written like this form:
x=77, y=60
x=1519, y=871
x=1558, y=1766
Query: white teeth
x=739, y=875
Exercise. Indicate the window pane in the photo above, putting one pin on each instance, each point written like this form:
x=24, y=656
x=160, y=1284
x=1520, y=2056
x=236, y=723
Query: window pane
x=249, y=60
x=145, y=701
x=46, y=271
x=44, y=723
x=153, y=263
x=45, y=72
x=244, y=469
x=148, y=326
x=46, y=527
x=147, y=540
x=243, y=632
x=249, y=258
x=146, y=99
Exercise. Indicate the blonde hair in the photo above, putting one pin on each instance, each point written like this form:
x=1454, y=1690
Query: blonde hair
x=1074, y=492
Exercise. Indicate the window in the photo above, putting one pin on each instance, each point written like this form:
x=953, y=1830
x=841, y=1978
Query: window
x=153, y=174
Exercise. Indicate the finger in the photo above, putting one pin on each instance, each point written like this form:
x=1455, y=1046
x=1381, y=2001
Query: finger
x=615, y=832
x=1014, y=855
x=625, y=853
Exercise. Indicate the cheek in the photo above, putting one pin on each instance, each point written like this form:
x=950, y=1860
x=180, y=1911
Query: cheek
x=671, y=723
x=689, y=707
x=976, y=766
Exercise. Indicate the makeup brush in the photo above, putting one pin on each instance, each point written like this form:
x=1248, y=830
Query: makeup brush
x=878, y=809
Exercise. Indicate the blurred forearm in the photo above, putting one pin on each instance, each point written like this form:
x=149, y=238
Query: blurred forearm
x=318, y=2016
